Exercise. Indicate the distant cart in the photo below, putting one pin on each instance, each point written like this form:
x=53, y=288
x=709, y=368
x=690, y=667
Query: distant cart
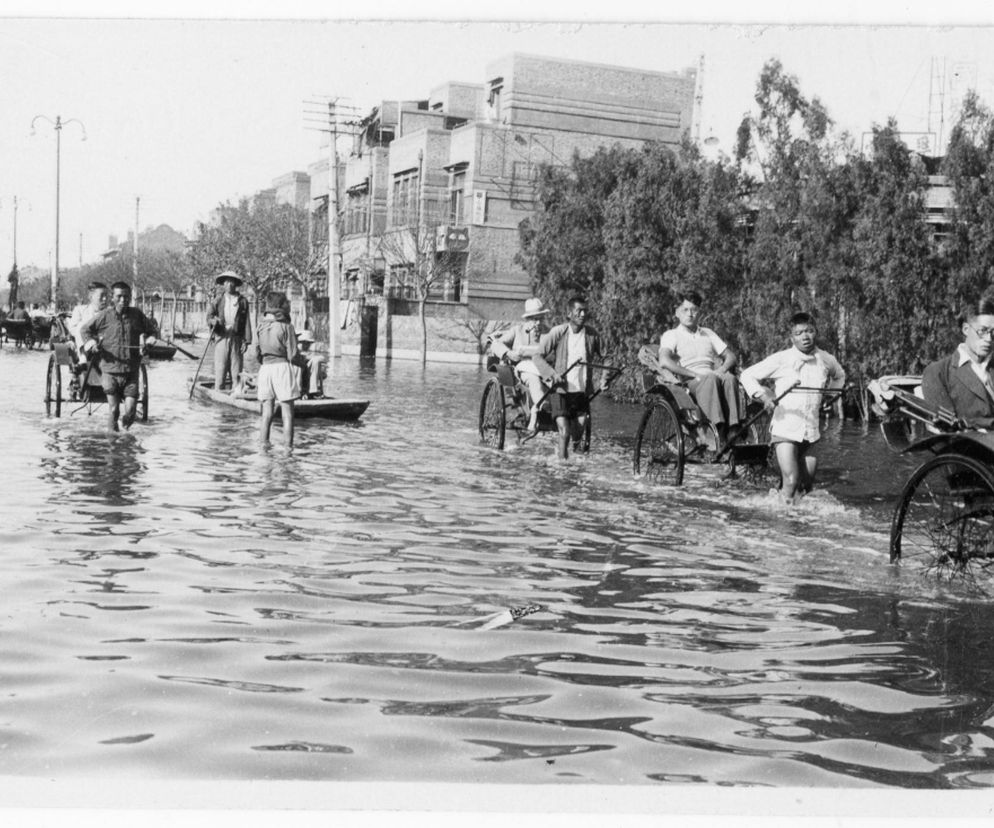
x=26, y=332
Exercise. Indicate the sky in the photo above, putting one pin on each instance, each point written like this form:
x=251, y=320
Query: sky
x=186, y=112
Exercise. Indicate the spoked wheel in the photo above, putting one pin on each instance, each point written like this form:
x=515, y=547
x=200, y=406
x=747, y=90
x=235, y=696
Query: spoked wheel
x=141, y=406
x=53, y=388
x=945, y=517
x=493, y=415
x=659, y=452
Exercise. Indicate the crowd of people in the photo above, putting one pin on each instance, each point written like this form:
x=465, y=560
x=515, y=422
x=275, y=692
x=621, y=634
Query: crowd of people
x=555, y=364
x=108, y=338
x=558, y=364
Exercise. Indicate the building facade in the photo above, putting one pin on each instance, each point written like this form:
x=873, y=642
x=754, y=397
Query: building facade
x=433, y=191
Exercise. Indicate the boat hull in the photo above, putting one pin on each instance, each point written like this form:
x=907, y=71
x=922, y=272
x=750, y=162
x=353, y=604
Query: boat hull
x=324, y=408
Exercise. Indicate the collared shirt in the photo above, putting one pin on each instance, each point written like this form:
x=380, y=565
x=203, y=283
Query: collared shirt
x=81, y=314
x=120, y=338
x=797, y=414
x=697, y=350
x=229, y=311
x=979, y=368
x=576, y=351
x=276, y=342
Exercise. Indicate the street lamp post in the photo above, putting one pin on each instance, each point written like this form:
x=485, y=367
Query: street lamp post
x=58, y=123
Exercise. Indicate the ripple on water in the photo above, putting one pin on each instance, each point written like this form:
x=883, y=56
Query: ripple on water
x=180, y=603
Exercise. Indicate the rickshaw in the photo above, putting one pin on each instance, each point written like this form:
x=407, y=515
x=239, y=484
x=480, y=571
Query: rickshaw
x=17, y=331
x=674, y=432
x=82, y=386
x=944, y=519
x=506, y=404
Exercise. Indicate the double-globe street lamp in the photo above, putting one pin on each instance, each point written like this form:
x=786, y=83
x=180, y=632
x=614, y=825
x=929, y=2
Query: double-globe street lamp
x=58, y=123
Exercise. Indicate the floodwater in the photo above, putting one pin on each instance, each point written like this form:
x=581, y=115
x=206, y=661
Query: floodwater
x=179, y=603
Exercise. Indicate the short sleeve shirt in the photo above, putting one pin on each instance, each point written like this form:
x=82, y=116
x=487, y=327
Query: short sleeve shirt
x=697, y=350
x=576, y=345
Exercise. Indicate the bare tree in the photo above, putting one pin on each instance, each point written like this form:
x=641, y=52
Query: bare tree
x=415, y=244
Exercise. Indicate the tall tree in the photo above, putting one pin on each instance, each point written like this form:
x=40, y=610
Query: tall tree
x=894, y=293
x=969, y=165
x=266, y=243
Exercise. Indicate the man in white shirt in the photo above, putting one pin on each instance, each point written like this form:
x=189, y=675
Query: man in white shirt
x=700, y=357
x=82, y=314
x=794, y=428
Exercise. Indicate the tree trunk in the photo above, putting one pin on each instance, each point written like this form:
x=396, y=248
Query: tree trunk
x=424, y=328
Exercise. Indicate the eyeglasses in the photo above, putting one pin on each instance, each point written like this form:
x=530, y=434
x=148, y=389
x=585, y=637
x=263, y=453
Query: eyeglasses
x=983, y=333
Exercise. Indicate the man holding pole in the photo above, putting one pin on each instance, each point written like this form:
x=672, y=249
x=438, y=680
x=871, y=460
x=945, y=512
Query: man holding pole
x=116, y=337
x=228, y=320
x=794, y=427
x=564, y=360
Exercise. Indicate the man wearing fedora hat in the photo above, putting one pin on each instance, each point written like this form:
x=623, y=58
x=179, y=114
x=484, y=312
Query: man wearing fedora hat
x=518, y=345
x=228, y=320
x=310, y=366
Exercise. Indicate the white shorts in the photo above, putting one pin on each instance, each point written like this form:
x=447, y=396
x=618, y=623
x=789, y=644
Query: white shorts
x=278, y=381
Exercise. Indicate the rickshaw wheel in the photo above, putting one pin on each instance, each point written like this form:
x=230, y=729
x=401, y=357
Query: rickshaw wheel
x=945, y=516
x=493, y=416
x=142, y=401
x=659, y=451
x=53, y=388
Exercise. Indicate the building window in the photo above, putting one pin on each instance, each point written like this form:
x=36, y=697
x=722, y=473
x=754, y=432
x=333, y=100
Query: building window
x=456, y=196
x=352, y=288
x=493, y=99
x=357, y=212
x=406, y=187
x=401, y=282
x=450, y=270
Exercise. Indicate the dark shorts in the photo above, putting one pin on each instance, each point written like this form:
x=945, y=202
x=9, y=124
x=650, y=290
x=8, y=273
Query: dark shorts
x=802, y=445
x=120, y=385
x=568, y=405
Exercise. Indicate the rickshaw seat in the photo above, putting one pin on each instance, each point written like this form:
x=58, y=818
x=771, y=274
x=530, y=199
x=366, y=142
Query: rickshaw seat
x=505, y=375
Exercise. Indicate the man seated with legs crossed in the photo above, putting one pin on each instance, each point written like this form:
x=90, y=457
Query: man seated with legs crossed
x=700, y=357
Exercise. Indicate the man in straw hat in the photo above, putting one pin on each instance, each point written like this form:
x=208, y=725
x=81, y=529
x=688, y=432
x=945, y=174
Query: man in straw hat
x=518, y=345
x=228, y=320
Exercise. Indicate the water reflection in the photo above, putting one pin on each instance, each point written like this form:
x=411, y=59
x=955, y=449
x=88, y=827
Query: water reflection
x=330, y=613
x=107, y=468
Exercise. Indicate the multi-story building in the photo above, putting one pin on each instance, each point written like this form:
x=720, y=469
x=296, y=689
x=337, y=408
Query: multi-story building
x=432, y=194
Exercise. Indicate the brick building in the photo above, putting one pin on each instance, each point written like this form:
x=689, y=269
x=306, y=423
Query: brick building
x=433, y=190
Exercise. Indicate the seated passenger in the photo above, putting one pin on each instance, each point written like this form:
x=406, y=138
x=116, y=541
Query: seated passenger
x=698, y=355
x=518, y=345
x=310, y=364
x=19, y=314
x=83, y=313
x=962, y=382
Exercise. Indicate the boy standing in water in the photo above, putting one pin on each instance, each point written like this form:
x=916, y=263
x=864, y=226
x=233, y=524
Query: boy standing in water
x=794, y=428
x=275, y=349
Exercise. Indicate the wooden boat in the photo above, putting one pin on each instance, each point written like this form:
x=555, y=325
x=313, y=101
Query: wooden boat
x=327, y=408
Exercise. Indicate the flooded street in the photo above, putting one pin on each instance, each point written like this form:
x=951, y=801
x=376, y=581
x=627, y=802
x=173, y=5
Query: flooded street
x=181, y=604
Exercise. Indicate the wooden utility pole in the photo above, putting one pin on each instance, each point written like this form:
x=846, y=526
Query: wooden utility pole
x=326, y=120
x=134, y=262
x=334, y=277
